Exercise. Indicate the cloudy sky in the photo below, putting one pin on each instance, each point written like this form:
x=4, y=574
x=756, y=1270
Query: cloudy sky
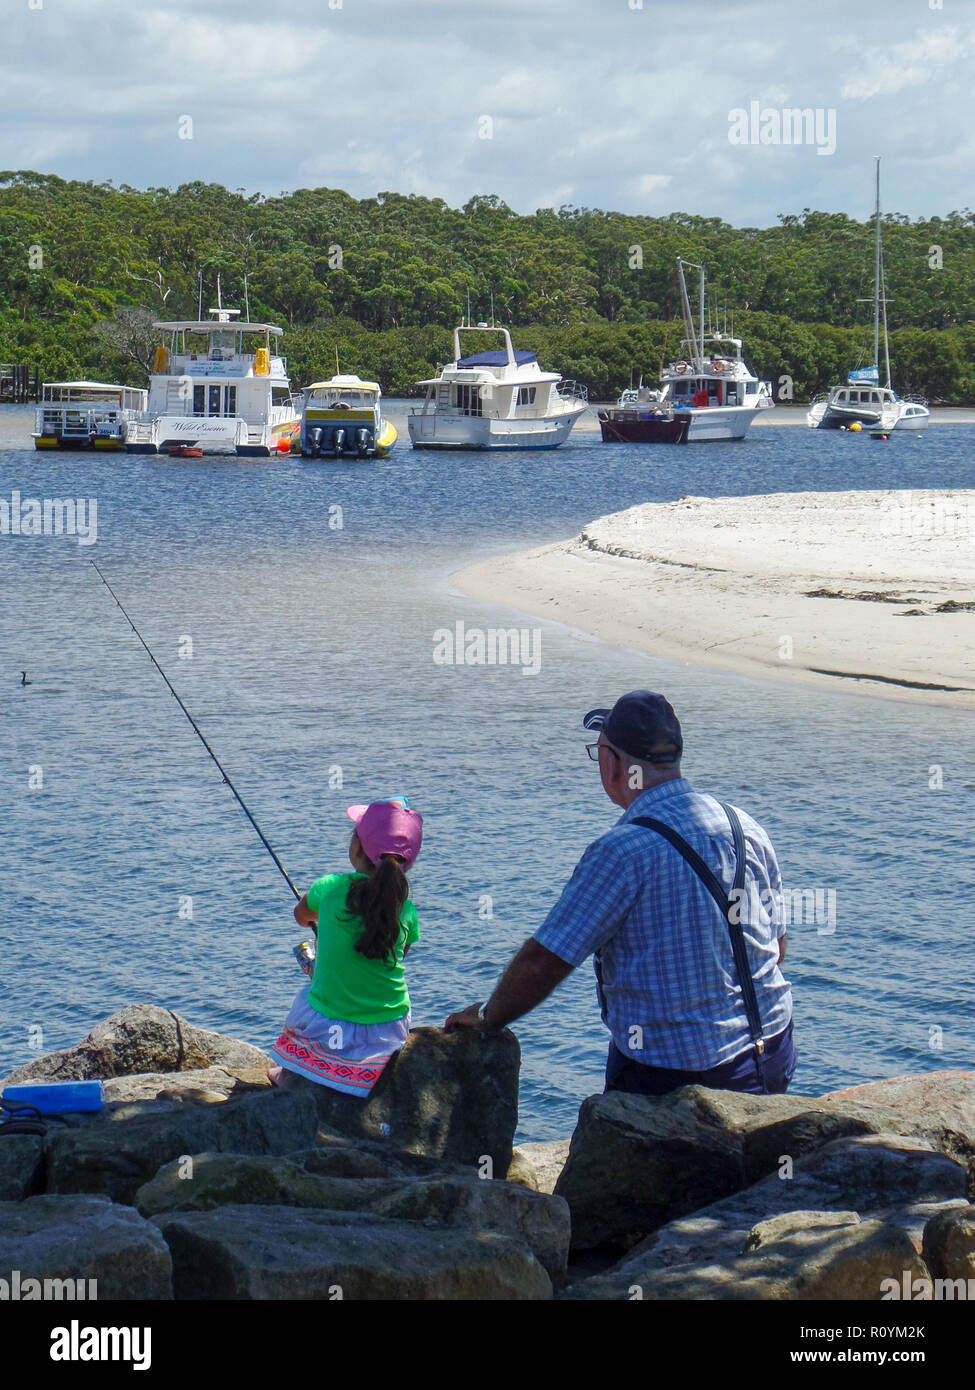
x=622, y=104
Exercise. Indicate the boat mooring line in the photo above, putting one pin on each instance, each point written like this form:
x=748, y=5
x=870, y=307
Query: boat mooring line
x=198, y=731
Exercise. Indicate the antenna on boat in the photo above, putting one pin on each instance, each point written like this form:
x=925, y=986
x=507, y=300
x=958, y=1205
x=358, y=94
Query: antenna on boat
x=199, y=311
x=219, y=300
x=336, y=359
x=247, y=303
x=468, y=306
x=492, y=308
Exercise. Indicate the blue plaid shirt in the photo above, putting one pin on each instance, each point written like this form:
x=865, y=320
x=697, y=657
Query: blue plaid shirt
x=672, y=997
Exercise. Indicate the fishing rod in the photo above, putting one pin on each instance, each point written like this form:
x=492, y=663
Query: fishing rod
x=198, y=732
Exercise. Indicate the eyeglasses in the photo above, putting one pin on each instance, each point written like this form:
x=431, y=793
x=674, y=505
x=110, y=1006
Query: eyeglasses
x=593, y=749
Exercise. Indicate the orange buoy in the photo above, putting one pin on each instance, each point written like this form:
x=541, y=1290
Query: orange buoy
x=284, y=445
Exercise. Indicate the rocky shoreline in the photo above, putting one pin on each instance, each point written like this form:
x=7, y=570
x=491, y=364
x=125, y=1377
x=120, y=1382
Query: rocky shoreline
x=199, y=1180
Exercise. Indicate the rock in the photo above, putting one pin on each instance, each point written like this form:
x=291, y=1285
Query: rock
x=345, y=1162
x=167, y=1089
x=209, y=1181
x=539, y=1221
x=84, y=1238
x=115, y=1152
x=274, y=1252
x=842, y=1222
x=943, y=1099
x=949, y=1244
x=451, y=1096
x=20, y=1165
x=539, y=1166
x=637, y=1162
x=634, y=1163
x=141, y=1038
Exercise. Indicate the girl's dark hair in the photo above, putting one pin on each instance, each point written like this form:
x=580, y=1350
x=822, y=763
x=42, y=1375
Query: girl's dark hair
x=379, y=900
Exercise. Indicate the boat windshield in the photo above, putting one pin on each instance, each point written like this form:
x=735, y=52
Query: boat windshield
x=336, y=395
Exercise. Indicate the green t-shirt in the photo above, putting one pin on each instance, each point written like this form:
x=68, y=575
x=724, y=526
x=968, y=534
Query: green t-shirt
x=346, y=985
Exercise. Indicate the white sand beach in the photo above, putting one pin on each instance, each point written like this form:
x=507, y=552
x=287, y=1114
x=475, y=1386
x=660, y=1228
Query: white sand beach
x=872, y=592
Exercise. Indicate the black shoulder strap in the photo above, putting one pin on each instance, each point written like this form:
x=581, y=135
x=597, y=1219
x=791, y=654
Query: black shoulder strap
x=730, y=908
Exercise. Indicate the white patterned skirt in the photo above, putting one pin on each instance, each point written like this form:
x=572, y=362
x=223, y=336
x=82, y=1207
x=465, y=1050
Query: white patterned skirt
x=348, y=1057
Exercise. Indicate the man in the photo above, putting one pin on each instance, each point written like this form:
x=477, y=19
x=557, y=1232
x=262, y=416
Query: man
x=670, y=992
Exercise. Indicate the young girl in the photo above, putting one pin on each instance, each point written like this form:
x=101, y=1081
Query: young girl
x=346, y=1024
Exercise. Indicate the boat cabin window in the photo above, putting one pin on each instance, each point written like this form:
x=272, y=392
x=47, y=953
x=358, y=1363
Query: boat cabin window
x=230, y=400
x=221, y=346
x=213, y=406
x=682, y=387
x=280, y=395
x=526, y=395
x=199, y=400
x=751, y=388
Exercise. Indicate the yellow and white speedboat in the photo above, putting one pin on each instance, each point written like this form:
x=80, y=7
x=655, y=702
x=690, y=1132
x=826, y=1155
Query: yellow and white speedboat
x=343, y=417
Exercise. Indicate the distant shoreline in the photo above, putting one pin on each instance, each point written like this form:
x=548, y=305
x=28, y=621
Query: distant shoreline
x=836, y=590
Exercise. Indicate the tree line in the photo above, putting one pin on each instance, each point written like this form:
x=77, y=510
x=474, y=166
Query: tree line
x=85, y=267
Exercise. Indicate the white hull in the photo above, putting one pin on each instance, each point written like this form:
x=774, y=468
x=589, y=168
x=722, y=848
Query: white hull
x=717, y=422
x=441, y=431
x=224, y=435
x=913, y=422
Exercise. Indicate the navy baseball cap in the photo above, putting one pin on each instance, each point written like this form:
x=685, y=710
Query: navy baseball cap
x=636, y=723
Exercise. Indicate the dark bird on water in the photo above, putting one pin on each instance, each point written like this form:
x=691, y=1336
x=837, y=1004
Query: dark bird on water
x=24, y=680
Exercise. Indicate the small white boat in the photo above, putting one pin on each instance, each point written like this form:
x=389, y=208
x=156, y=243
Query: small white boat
x=862, y=400
x=343, y=416
x=85, y=414
x=711, y=380
x=495, y=399
x=207, y=393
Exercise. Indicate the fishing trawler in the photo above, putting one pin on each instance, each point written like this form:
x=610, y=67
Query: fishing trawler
x=710, y=381
x=343, y=416
x=861, y=400
x=495, y=399
x=208, y=393
x=85, y=414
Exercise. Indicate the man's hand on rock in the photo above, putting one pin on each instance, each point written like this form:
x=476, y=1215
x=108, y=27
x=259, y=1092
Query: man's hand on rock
x=467, y=1018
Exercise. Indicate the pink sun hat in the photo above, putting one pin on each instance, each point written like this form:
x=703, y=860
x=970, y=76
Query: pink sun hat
x=388, y=827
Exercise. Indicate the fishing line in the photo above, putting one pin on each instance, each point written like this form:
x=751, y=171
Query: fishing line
x=198, y=731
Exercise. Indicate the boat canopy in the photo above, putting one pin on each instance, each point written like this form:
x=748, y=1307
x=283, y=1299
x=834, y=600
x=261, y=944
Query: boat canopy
x=345, y=383
x=496, y=359
x=217, y=326
x=85, y=386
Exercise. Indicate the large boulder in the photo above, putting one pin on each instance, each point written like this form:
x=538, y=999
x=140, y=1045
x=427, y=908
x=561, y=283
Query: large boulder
x=21, y=1158
x=105, y=1251
x=279, y=1252
x=141, y=1038
x=450, y=1096
x=637, y=1162
x=842, y=1220
x=208, y=1181
x=114, y=1152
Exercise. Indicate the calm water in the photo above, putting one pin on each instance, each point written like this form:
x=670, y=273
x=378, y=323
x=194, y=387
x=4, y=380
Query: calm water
x=312, y=652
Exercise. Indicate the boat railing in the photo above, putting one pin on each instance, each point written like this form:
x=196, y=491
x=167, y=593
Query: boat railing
x=572, y=390
x=914, y=398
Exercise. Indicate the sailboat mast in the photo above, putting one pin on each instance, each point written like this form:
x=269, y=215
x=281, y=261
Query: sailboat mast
x=876, y=280
x=701, y=353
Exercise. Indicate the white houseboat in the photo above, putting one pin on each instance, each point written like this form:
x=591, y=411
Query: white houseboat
x=343, y=416
x=85, y=414
x=495, y=399
x=711, y=380
x=208, y=392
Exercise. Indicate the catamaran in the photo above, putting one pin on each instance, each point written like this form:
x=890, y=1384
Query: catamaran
x=85, y=414
x=208, y=394
x=862, y=399
x=495, y=399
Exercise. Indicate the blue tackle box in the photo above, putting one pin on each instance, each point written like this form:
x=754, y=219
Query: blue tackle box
x=57, y=1097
